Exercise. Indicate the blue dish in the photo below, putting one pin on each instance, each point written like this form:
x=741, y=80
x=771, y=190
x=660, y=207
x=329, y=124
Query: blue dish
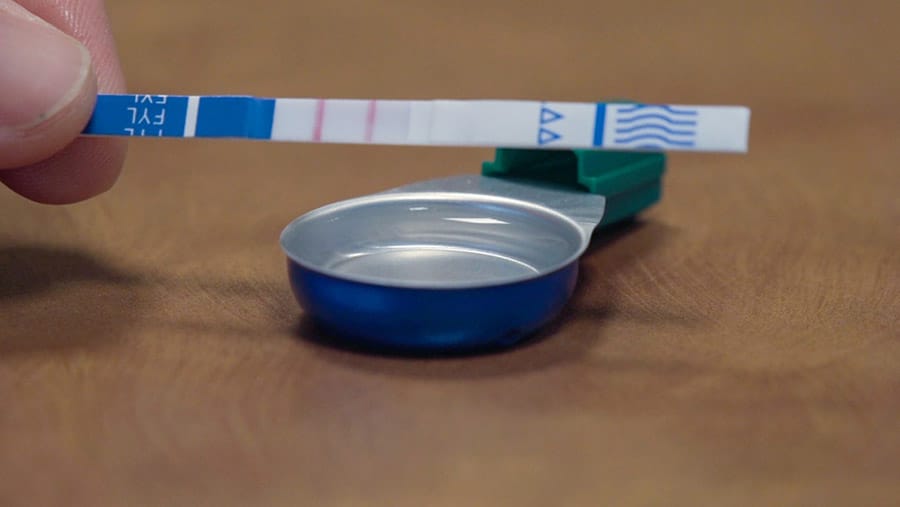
x=449, y=265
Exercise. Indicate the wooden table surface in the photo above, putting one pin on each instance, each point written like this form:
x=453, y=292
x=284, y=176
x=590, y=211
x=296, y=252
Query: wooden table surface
x=740, y=345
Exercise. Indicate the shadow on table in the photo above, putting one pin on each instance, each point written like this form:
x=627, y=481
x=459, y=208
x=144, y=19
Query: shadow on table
x=577, y=330
x=92, y=301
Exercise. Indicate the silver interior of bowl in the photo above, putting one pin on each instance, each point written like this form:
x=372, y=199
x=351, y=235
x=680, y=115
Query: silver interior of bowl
x=432, y=239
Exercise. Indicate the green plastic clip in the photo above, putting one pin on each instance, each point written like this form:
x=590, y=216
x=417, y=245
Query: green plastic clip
x=630, y=181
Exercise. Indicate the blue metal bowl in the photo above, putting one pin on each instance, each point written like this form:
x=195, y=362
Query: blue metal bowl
x=448, y=265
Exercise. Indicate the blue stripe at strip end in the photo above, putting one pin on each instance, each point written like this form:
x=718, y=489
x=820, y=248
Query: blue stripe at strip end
x=239, y=117
x=599, y=123
x=264, y=115
x=138, y=115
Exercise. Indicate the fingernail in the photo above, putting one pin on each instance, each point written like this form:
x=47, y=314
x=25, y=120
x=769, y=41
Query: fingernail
x=41, y=71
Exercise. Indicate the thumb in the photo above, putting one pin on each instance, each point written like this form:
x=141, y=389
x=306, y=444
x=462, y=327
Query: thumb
x=47, y=89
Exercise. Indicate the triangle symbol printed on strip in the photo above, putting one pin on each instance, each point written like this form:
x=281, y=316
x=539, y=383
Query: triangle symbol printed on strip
x=548, y=115
x=547, y=136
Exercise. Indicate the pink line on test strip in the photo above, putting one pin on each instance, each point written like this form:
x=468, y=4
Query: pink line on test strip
x=320, y=120
x=370, y=120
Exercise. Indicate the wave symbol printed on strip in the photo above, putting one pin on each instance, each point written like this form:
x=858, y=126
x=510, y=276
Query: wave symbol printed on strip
x=655, y=127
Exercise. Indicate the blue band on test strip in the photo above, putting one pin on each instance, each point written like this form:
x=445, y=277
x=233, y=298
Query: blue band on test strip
x=168, y=116
x=138, y=115
x=599, y=124
x=235, y=117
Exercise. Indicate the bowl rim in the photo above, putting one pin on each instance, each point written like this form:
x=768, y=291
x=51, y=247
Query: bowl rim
x=289, y=233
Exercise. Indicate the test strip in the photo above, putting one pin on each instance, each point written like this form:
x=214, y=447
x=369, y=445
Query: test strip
x=473, y=123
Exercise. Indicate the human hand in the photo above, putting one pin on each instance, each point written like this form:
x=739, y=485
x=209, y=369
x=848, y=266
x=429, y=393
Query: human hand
x=55, y=56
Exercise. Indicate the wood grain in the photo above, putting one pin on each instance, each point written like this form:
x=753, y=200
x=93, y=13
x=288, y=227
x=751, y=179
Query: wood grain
x=739, y=345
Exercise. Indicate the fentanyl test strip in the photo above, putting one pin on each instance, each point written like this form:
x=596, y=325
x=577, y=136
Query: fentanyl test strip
x=470, y=123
